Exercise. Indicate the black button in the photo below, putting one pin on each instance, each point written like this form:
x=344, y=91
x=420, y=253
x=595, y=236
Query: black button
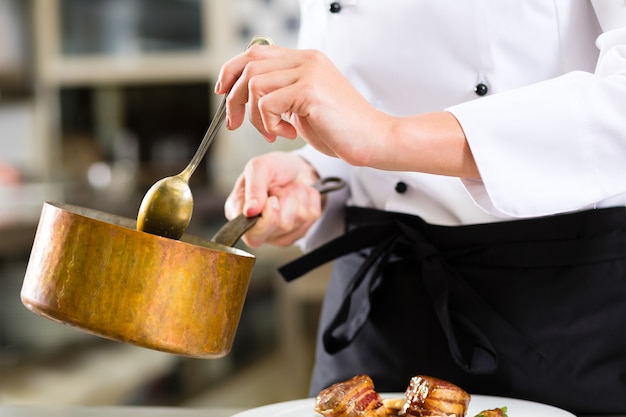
x=481, y=89
x=401, y=187
x=335, y=7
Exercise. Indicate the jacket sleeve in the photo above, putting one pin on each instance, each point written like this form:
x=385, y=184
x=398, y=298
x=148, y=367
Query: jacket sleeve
x=558, y=145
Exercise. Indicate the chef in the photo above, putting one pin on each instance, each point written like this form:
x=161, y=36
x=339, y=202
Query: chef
x=482, y=235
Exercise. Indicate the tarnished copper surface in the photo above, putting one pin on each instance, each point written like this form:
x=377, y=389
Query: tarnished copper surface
x=93, y=270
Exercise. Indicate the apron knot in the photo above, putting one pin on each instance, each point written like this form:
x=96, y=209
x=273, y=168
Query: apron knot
x=411, y=244
x=468, y=322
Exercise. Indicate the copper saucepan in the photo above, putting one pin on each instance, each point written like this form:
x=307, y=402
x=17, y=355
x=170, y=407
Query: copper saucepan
x=95, y=271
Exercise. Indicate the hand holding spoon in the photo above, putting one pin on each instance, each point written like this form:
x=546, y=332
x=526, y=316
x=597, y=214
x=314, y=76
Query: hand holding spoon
x=167, y=206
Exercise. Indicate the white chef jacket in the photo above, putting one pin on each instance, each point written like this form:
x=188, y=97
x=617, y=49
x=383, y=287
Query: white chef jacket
x=548, y=137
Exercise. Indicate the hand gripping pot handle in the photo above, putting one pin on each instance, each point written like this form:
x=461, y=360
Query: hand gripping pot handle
x=232, y=231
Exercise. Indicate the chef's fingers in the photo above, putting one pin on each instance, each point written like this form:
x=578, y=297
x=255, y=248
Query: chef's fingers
x=259, y=79
x=286, y=218
x=282, y=88
x=237, y=72
x=291, y=111
x=260, y=174
x=232, y=69
x=309, y=97
x=277, y=186
x=233, y=79
x=250, y=192
x=236, y=199
x=269, y=120
x=295, y=208
x=287, y=234
x=264, y=226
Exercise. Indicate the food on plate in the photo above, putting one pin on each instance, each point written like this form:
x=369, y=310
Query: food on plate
x=429, y=396
x=393, y=406
x=425, y=396
x=355, y=397
x=494, y=412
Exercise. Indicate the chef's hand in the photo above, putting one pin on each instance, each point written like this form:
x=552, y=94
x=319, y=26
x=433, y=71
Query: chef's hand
x=277, y=185
x=292, y=92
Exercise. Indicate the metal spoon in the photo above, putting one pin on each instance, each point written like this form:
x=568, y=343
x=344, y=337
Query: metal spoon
x=167, y=206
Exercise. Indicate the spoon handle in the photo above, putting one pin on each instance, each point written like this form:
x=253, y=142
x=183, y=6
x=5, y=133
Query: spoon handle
x=217, y=122
x=214, y=127
x=231, y=232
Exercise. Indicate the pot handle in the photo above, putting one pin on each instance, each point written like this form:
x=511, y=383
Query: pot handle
x=231, y=232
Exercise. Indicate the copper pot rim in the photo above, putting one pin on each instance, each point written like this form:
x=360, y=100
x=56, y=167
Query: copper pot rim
x=130, y=225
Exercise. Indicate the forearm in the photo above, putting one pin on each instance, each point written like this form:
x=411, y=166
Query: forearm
x=431, y=143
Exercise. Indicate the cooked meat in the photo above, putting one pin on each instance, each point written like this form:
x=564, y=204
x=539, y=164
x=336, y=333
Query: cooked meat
x=428, y=396
x=352, y=398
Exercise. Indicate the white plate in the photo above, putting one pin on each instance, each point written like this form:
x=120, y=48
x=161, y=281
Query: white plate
x=515, y=408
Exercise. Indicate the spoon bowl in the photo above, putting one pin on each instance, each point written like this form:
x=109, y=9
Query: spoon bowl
x=167, y=207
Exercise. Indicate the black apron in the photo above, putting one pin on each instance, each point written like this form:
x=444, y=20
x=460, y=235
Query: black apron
x=532, y=309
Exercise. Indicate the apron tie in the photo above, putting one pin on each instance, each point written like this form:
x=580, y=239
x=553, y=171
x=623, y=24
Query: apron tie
x=457, y=306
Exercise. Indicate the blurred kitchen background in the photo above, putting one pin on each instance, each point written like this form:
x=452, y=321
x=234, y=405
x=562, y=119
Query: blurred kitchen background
x=98, y=100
